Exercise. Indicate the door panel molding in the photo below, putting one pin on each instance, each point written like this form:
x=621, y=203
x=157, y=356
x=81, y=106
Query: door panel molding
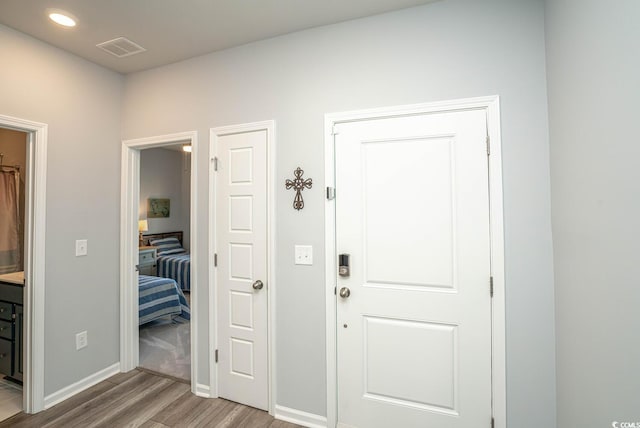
x=269, y=126
x=491, y=105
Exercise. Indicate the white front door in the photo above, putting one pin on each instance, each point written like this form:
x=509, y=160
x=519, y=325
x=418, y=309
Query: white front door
x=412, y=211
x=241, y=237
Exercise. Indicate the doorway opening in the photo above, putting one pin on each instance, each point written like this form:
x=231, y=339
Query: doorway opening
x=157, y=291
x=13, y=157
x=164, y=257
x=22, y=294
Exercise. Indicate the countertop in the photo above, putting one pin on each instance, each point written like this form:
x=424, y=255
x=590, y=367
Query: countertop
x=13, y=278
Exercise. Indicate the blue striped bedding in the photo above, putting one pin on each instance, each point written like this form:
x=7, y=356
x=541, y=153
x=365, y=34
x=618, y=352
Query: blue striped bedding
x=160, y=297
x=176, y=267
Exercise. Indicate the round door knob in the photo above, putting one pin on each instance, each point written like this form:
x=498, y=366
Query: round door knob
x=258, y=285
x=345, y=292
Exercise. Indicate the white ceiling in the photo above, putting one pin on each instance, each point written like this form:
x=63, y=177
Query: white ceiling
x=174, y=30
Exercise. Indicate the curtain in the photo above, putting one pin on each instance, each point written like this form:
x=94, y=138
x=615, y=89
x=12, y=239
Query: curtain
x=10, y=253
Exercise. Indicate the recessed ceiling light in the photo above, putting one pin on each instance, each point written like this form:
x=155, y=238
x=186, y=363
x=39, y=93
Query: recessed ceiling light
x=63, y=19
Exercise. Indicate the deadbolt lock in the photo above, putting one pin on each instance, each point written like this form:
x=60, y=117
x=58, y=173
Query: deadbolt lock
x=343, y=265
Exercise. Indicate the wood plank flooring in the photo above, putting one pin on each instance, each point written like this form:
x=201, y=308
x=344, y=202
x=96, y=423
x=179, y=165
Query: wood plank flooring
x=146, y=400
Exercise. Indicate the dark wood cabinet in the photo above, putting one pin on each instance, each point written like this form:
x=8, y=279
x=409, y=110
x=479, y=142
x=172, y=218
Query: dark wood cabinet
x=11, y=325
x=18, y=343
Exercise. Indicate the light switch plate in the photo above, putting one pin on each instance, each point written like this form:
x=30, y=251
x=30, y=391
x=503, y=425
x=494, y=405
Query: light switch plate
x=81, y=247
x=303, y=255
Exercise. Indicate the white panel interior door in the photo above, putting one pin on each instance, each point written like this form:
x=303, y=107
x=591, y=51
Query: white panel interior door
x=412, y=210
x=241, y=238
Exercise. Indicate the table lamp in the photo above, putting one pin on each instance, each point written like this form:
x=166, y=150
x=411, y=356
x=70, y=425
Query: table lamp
x=143, y=226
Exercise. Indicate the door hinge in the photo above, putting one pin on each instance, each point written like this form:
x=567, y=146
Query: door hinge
x=215, y=163
x=488, y=145
x=331, y=193
x=216, y=355
x=335, y=291
x=491, y=286
x=215, y=260
x=493, y=422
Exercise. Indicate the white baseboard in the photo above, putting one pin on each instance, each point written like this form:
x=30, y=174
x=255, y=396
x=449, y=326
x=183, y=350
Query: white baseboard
x=71, y=390
x=299, y=417
x=202, y=390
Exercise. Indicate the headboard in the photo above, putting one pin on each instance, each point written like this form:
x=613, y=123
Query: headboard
x=152, y=236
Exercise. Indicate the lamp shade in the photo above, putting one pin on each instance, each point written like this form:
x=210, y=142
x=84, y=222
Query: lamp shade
x=143, y=225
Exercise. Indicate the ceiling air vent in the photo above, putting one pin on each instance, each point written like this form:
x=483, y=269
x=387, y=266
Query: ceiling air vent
x=121, y=47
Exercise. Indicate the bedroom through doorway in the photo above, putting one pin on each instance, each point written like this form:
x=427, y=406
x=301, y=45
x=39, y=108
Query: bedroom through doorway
x=158, y=200
x=164, y=260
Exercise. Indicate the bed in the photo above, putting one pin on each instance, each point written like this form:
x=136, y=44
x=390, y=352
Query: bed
x=161, y=298
x=173, y=260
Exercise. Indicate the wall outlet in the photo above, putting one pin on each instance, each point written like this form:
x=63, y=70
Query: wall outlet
x=81, y=340
x=81, y=247
x=303, y=255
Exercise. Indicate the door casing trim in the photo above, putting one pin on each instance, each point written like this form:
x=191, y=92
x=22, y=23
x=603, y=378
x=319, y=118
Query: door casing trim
x=35, y=238
x=215, y=133
x=129, y=205
x=491, y=105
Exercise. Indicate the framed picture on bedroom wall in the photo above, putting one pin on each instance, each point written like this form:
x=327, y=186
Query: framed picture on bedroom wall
x=158, y=208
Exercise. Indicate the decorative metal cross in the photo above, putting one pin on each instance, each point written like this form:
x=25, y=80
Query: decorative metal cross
x=298, y=184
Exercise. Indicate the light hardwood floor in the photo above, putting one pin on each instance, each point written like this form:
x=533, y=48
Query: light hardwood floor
x=143, y=399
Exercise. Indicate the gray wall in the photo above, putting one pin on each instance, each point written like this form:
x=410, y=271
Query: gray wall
x=81, y=104
x=446, y=50
x=163, y=175
x=593, y=65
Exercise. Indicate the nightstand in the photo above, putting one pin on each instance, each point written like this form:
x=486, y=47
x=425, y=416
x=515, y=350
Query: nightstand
x=147, y=260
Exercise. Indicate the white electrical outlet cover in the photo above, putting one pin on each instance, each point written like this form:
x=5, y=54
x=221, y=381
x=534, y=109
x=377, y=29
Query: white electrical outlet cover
x=81, y=340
